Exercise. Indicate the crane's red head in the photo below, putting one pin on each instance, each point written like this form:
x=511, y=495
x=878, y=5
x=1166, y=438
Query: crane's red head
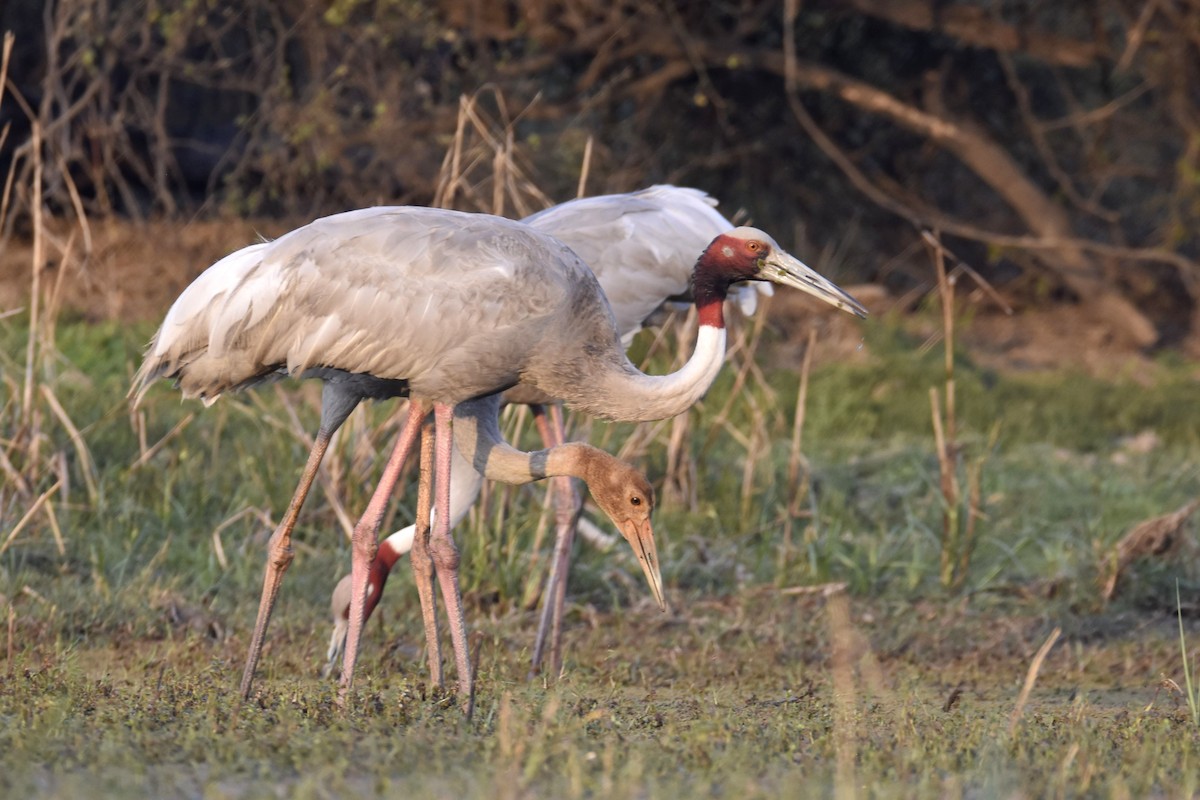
x=736, y=254
x=748, y=254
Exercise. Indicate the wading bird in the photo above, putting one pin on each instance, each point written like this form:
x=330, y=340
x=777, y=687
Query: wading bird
x=642, y=247
x=448, y=308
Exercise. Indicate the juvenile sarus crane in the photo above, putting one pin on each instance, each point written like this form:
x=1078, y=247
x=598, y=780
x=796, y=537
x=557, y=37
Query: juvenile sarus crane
x=642, y=247
x=449, y=308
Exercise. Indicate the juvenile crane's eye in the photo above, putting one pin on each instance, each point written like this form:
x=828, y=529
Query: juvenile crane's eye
x=635, y=500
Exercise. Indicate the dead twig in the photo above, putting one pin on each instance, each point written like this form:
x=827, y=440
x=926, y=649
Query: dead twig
x=1031, y=675
x=33, y=509
x=248, y=511
x=823, y=589
x=86, y=465
x=150, y=452
x=797, y=483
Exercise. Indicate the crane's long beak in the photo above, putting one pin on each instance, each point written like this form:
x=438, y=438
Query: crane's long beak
x=641, y=539
x=780, y=267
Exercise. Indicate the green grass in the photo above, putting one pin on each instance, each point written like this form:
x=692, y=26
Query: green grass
x=126, y=652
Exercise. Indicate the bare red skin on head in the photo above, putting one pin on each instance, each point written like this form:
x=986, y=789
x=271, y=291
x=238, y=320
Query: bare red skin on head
x=381, y=567
x=726, y=261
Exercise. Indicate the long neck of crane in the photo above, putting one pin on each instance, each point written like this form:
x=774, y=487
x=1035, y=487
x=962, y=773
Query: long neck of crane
x=622, y=392
x=477, y=436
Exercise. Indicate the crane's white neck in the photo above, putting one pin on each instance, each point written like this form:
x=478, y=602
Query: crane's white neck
x=629, y=395
x=619, y=391
x=396, y=545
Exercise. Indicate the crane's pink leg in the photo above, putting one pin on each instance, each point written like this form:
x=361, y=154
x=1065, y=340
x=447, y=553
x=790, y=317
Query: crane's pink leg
x=280, y=554
x=364, y=540
x=422, y=561
x=567, y=506
x=445, y=553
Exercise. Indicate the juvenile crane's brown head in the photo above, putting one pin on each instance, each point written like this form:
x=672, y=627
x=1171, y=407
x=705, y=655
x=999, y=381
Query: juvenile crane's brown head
x=627, y=498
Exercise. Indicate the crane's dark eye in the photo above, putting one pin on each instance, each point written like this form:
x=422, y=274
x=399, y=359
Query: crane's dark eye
x=635, y=500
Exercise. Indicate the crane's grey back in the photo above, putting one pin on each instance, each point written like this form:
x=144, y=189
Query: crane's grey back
x=457, y=304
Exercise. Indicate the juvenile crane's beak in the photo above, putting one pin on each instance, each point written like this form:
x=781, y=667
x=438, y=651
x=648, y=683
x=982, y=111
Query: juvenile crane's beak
x=641, y=539
x=339, y=604
x=780, y=267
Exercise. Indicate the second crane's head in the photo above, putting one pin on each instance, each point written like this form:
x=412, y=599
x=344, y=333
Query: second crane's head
x=748, y=254
x=627, y=498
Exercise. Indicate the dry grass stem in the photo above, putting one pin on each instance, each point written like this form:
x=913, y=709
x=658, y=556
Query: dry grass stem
x=249, y=511
x=945, y=463
x=481, y=140
x=823, y=589
x=958, y=535
x=12, y=633
x=581, y=190
x=137, y=421
x=946, y=286
x=796, y=458
x=33, y=509
x=149, y=452
x=1035, y=667
x=743, y=351
x=962, y=267
x=39, y=256
x=842, y=640
x=13, y=474
x=10, y=177
x=681, y=466
x=86, y=465
x=797, y=483
x=52, y=518
x=758, y=445
x=55, y=295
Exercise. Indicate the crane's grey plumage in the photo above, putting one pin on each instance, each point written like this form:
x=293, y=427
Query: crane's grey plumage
x=642, y=247
x=370, y=292
x=448, y=307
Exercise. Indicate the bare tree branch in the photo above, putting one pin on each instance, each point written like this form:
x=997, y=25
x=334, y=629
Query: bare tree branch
x=978, y=27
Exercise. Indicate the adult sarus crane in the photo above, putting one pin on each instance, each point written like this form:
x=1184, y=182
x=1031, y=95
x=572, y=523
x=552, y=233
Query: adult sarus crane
x=642, y=247
x=448, y=308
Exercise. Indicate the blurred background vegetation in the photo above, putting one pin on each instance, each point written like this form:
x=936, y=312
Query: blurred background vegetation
x=1056, y=146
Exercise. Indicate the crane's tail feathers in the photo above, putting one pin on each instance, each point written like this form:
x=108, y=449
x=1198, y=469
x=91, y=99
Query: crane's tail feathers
x=151, y=370
x=154, y=368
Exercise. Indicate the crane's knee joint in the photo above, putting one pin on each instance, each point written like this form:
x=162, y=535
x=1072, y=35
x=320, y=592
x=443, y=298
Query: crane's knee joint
x=422, y=564
x=364, y=553
x=280, y=553
x=445, y=554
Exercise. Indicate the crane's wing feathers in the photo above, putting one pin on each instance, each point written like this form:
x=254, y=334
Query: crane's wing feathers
x=642, y=246
x=371, y=291
x=448, y=301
